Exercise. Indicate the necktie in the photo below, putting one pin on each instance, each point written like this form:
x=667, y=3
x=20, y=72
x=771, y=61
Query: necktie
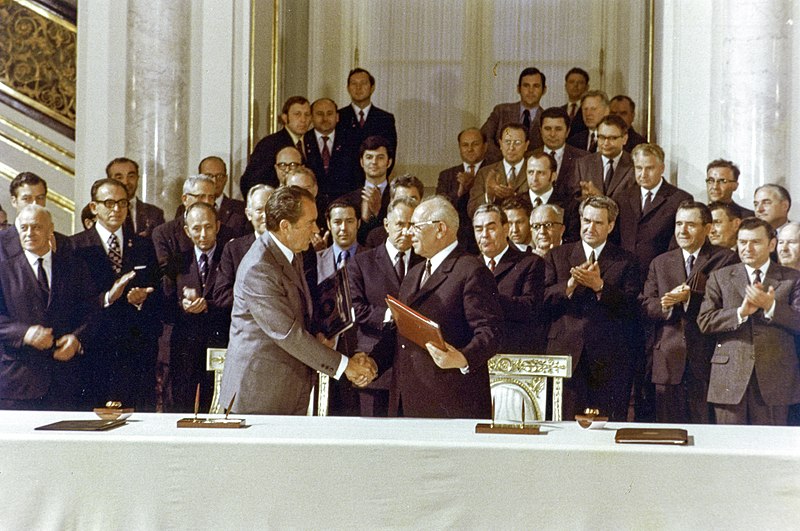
x=492, y=264
x=689, y=265
x=757, y=275
x=609, y=173
x=592, y=259
x=648, y=202
x=471, y=169
x=593, y=143
x=558, y=164
x=114, y=254
x=299, y=146
x=203, y=268
x=343, y=256
x=41, y=276
x=572, y=107
x=526, y=120
x=399, y=266
x=537, y=202
x=425, y=274
x=361, y=118
x=512, y=176
x=326, y=153
x=129, y=227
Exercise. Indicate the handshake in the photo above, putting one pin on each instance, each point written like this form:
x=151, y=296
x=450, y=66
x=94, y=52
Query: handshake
x=361, y=369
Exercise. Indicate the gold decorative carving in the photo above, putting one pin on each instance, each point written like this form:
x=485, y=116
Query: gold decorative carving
x=38, y=60
x=537, y=365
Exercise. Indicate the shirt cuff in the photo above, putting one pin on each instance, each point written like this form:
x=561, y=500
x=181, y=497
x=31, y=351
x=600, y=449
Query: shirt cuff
x=742, y=320
x=769, y=314
x=342, y=366
x=464, y=370
x=387, y=317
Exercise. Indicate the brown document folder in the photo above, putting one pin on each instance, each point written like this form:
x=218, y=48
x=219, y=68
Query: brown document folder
x=83, y=425
x=652, y=436
x=414, y=326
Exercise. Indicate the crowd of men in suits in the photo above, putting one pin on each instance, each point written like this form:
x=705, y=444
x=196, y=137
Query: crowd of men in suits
x=557, y=233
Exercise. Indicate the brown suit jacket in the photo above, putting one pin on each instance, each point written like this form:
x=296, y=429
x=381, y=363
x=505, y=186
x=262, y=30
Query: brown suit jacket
x=764, y=346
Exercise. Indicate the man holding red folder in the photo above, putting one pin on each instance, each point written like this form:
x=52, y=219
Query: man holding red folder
x=456, y=291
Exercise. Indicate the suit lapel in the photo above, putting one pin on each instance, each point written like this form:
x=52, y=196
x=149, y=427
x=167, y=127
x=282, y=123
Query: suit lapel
x=437, y=277
x=507, y=263
x=619, y=174
x=386, y=268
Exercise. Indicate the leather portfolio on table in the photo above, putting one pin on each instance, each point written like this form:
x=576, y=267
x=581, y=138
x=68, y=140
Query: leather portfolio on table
x=414, y=326
x=652, y=436
x=83, y=425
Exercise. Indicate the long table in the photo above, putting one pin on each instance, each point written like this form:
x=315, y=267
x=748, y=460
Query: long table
x=358, y=473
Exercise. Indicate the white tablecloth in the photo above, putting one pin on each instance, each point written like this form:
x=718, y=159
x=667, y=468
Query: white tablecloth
x=312, y=472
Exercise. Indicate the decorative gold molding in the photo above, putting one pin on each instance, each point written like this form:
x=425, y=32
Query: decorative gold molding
x=251, y=86
x=651, y=23
x=274, y=106
x=558, y=366
x=35, y=153
x=49, y=15
x=38, y=138
x=39, y=67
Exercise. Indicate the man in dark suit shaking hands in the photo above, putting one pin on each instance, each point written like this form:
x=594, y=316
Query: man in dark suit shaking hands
x=458, y=292
x=273, y=354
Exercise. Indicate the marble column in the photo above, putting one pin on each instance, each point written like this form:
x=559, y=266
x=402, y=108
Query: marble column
x=751, y=89
x=157, y=110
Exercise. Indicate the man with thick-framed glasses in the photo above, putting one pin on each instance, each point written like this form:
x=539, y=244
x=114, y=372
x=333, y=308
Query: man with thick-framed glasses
x=547, y=226
x=121, y=353
x=722, y=180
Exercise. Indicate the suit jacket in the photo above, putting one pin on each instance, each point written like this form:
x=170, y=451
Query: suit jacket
x=520, y=283
x=447, y=185
x=326, y=261
x=232, y=255
x=651, y=233
x=502, y=115
x=170, y=241
x=590, y=168
x=378, y=123
x=566, y=185
x=477, y=194
x=764, y=346
x=195, y=332
x=584, y=324
x=372, y=277
x=124, y=340
x=261, y=167
x=25, y=372
x=572, y=222
x=10, y=246
x=271, y=356
x=462, y=298
x=354, y=198
x=342, y=175
x=148, y=217
x=678, y=343
x=577, y=124
x=634, y=139
x=743, y=212
x=580, y=140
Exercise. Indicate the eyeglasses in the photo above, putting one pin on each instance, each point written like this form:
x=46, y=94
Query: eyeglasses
x=515, y=143
x=288, y=165
x=721, y=182
x=417, y=227
x=110, y=203
x=217, y=176
x=613, y=138
x=546, y=226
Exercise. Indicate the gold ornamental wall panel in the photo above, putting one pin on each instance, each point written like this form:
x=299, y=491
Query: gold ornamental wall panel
x=38, y=59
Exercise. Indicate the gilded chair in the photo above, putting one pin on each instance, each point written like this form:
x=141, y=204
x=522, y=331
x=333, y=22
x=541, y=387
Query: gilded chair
x=523, y=378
